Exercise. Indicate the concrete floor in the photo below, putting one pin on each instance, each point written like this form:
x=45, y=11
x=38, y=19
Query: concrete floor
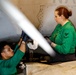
x=62, y=68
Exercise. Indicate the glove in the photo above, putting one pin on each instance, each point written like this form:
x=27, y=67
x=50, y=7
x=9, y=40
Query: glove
x=24, y=36
x=47, y=39
x=33, y=46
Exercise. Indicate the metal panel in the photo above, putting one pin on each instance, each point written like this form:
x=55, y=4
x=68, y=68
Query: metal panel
x=9, y=31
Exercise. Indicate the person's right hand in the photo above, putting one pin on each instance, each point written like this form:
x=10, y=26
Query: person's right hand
x=24, y=36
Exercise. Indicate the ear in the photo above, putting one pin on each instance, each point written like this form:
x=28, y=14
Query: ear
x=62, y=17
x=2, y=54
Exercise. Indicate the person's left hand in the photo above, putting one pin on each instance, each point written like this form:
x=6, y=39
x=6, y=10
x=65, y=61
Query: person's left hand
x=24, y=36
x=53, y=44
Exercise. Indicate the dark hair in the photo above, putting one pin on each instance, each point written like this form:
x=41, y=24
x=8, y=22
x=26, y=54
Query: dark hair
x=2, y=44
x=62, y=10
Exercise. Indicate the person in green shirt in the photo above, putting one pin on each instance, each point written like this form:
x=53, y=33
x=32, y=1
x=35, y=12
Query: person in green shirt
x=64, y=35
x=9, y=58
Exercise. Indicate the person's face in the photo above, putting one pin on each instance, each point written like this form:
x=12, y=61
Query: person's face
x=8, y=52
x=58, y=18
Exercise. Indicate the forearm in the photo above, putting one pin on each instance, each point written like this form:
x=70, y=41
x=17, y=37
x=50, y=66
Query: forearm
x=18, y=45
x=19, y=41
x=23, y=47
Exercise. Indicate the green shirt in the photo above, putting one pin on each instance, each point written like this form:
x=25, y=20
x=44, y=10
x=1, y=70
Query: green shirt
x=8, y=67
x=64, y=37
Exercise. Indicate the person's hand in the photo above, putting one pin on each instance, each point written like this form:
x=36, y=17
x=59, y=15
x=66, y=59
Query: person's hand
x=53, y=44
x=25, y=38
x=48, y=40
x=22, y=34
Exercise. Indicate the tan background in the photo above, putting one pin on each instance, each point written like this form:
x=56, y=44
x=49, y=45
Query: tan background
x=41, y=12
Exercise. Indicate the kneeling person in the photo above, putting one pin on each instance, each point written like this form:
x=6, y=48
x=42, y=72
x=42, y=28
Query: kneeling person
x=10, y=58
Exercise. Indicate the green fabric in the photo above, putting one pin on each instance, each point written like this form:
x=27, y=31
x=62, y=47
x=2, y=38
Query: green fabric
x=65, y=38
x=8, y=67
x=75, y=38
x=16, y=48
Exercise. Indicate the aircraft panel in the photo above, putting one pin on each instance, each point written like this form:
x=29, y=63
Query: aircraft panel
x=9, y=31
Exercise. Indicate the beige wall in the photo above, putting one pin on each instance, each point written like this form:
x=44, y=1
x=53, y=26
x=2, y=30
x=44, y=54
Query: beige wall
x=41, y=12
x=29, y=8
x=15, y=2
x=33, y=9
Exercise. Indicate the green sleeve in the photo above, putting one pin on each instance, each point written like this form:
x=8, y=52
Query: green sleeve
x=16, y=48
x=13, y=62
x=67, y=40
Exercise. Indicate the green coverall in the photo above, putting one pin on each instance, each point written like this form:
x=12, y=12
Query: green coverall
x=65, y=38
x=8, y=67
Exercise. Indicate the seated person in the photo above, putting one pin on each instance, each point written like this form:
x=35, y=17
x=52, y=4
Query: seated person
x=63, y=38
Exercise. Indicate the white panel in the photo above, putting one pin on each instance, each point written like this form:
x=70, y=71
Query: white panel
x=8, y=29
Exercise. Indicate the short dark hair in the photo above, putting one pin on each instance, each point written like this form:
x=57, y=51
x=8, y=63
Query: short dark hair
x=2, y=44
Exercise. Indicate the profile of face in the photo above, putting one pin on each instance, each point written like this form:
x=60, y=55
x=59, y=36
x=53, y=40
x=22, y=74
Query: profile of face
x=58, y=18
x=7, y=52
